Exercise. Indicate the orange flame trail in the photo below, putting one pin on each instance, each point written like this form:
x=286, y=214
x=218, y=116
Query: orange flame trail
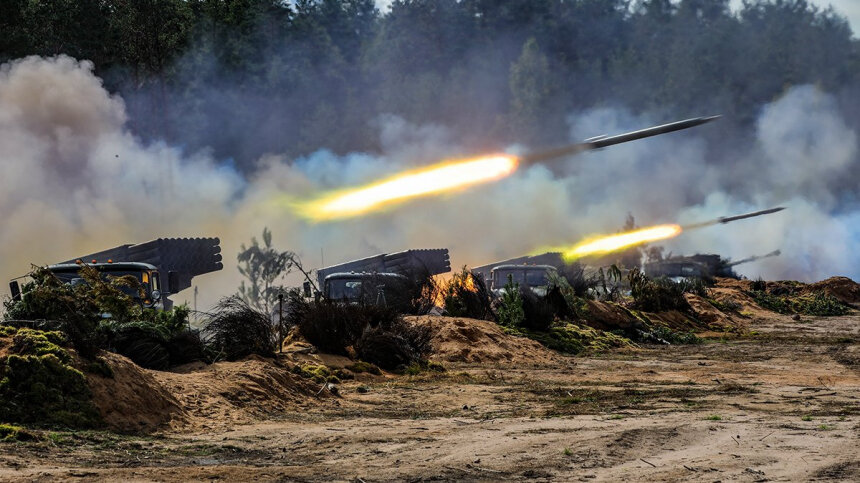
x=435, y=179
x=610, y=243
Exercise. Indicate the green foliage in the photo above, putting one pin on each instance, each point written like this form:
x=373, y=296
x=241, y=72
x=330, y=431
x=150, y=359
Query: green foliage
x=574, y=298
x=466, y=295
x=316, y=372
x=37, y=342
x=665, y=335
x=531, y=90
x=337, y=66
x=360, y=366
x=574, y=339
x=38, y=385
x=423, y=366
x=10, y=433
x=662, y=294
x=98, y=314
x=510, y=312
x=819, y=303
x=730, y=305
x=262, y=266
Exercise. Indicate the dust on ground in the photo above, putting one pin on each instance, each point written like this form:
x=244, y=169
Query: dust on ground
x=780, y=403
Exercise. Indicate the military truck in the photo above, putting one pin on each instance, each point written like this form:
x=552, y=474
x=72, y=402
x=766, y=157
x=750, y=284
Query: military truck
x=163, y=267
x=699, y=266
x=531, y=271
x=384, y=279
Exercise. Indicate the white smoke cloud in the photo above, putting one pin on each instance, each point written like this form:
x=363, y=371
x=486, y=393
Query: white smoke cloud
x=75, y=180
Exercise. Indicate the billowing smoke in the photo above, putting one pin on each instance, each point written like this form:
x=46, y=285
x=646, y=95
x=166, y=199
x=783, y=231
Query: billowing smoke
x=75, y=180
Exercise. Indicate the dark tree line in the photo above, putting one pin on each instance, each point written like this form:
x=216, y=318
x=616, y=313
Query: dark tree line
x=247, y=77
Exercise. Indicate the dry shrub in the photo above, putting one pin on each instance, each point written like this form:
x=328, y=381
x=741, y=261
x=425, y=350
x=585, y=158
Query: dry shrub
x=378, y=335
x=334, y=326
x=662, y=294
x=396, y=346
x=236, y=330
x=467, y=295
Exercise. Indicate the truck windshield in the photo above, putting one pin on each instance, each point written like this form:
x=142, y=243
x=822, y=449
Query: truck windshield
x=523, y=276
x=72, y=277
x=536, y=278
x=340, y=289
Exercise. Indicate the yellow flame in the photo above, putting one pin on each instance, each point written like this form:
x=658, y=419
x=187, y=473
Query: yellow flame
x=438, y=178
x=610, y=243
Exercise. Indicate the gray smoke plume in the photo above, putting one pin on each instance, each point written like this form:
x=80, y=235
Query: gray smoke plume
x=74, y=180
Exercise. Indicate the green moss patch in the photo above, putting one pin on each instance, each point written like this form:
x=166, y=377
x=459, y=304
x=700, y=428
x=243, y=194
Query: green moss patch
x=38, y=385
x=572, y=338
x=316, y=372
x=360, y=366
x=818, y=303
x=10, y=433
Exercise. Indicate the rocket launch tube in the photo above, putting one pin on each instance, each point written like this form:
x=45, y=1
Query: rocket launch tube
x=602, y=142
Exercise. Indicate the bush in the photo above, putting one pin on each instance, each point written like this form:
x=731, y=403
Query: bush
x=510, y=312
x=38, y=386
x=387, y=349
x=467, y=295
x=539, y=312
x=332, y=326
x=378, y=335
x=163, y=341
x=662, y=294
x=664, y=335
x=236, y=330
x=9, y=433
x=819, y=303
x=573, y=276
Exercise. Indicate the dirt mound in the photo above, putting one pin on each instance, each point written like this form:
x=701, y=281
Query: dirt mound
x=469, y=340
x=712, y=317
x=132, y=400
x=743, y=285
x=843, y=289
x=609, y=316
x=237, y=392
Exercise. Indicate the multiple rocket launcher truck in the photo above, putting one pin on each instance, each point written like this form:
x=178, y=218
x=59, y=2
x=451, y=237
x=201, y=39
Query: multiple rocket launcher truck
x=162, y=267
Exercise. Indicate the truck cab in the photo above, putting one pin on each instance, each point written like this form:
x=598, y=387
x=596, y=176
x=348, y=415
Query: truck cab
x=366, y=288
x=535, y=277
x=163, y=267
x=150, y=293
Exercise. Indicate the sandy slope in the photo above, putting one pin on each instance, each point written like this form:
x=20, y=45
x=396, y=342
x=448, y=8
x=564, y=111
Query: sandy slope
x=780, y=405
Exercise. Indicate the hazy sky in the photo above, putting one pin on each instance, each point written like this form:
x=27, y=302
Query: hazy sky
x=849, y=8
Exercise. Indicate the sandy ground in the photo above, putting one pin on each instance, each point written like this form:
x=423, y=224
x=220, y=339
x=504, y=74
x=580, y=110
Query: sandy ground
x=780, y=404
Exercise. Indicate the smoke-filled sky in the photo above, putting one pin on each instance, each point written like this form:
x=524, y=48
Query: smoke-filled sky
x=75, y=180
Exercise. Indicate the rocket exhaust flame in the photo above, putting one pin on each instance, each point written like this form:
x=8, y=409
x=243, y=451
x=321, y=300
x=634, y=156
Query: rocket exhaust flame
x=435, y=179
x=612, y=243
x=452, y=175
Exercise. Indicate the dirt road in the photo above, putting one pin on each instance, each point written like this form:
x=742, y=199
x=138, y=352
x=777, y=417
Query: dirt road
x=780, y=404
